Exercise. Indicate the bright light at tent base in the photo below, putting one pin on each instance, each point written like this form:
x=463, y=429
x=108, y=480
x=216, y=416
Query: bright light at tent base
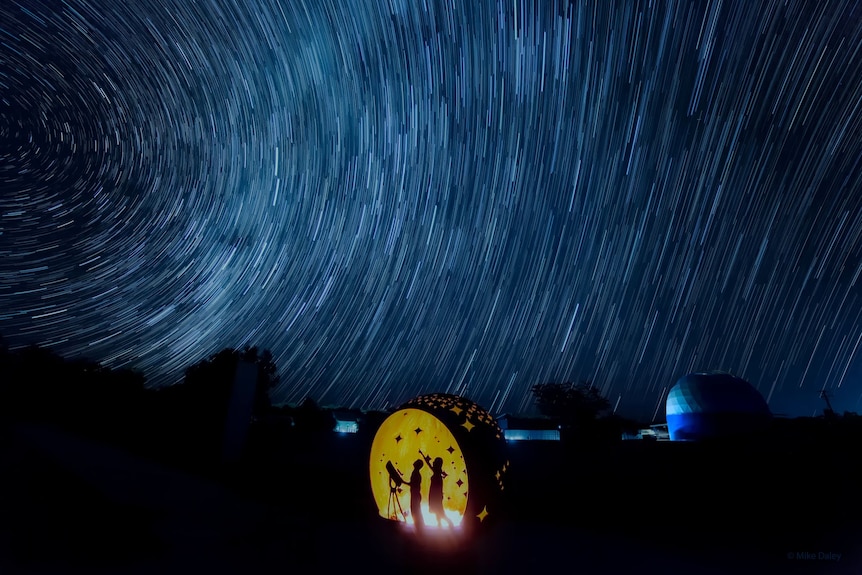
x=432, y=522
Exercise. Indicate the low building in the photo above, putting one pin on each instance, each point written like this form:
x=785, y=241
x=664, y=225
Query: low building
x=346, y=421
x=528, y=428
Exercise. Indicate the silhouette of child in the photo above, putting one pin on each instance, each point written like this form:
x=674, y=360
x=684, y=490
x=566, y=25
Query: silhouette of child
x=415, y=484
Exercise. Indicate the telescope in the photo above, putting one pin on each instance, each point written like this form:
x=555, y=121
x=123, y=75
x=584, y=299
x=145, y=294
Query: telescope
x=394, y=476
x=394, y=510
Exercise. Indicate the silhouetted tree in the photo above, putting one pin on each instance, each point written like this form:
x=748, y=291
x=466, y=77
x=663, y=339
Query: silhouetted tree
x=195, y=411
x=581, y=410
x=216, y=374
x=78, y=394
x=310, y=417
x=37, y=384
x=267, y=378
x=373, y=420
x=573, y=404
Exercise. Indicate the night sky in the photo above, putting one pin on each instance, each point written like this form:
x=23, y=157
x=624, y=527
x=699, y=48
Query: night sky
x=469, y=197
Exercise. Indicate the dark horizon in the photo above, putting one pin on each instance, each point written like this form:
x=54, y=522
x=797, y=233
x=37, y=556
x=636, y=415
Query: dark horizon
x=469, y=199
x=533, y=410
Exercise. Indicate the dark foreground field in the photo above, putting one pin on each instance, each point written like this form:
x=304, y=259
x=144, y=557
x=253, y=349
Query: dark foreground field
x=301, y=505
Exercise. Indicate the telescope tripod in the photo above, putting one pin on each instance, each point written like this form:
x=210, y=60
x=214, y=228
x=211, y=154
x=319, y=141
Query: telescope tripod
x=394, y=503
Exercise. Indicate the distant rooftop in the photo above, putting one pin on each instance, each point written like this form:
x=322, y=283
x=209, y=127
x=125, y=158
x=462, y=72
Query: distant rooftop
x=508, y=421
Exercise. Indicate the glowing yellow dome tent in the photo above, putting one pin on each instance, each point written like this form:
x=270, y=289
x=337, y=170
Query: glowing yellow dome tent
x=440, y=459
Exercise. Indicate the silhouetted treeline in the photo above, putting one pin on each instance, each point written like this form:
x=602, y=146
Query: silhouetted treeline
x=39, y=385
x=182, y=424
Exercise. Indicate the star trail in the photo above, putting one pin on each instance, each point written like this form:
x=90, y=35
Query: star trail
x=467, y=197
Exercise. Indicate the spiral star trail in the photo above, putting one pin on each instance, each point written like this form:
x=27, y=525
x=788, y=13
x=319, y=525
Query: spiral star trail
x=469, y=197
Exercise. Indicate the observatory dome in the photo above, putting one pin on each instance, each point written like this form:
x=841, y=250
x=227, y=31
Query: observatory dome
x=714, y=405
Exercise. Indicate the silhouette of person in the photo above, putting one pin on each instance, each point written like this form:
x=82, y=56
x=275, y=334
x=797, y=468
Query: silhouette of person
x=415, y=484
x=435, y=490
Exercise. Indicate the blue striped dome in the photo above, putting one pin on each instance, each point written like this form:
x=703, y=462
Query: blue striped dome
x=709, y=405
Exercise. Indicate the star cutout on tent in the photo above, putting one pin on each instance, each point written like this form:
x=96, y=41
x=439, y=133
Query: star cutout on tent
x=450, y=450
x=469, y=426
x=459, y=483
x=483, y=514
x=456, y=410
x=398, y=438
x=418, y=430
